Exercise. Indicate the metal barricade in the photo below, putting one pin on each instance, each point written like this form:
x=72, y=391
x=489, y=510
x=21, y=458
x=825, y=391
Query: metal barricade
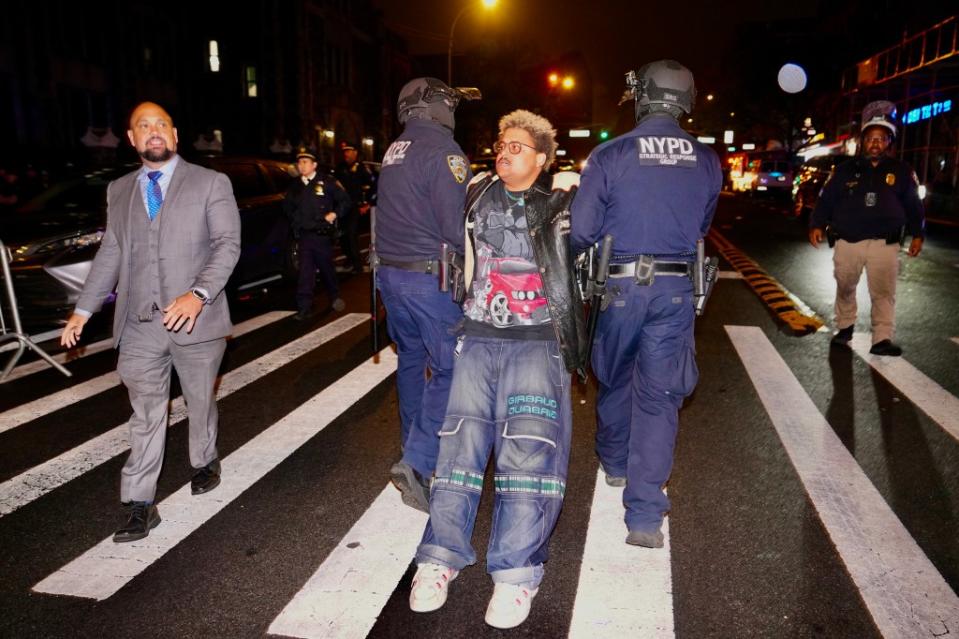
x=10, y=328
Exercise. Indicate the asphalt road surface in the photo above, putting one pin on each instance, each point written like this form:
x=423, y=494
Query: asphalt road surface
x=815, y=491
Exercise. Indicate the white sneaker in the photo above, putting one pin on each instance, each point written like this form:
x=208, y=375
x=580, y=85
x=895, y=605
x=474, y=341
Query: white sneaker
x=430, y=586
x=509, y=605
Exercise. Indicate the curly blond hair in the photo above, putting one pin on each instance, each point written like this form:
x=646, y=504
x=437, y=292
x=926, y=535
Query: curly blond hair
x=538, y=127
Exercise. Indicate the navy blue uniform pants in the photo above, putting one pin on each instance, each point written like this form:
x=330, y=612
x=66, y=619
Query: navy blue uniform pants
x=645, y=362
x=422, y=321
x=316, y=253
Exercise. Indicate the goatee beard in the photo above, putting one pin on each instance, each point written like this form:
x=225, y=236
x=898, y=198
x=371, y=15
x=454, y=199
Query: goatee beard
x=156, y=156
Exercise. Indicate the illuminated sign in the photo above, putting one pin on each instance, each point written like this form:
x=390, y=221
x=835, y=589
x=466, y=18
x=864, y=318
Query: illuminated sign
x=579, y=133
x=926, y=112
x=707, y=139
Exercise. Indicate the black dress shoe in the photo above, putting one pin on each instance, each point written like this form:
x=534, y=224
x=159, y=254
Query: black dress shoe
x=886, y=347
x=842, y=337
x=140, y=519
x=302, y=316
x=205, y=479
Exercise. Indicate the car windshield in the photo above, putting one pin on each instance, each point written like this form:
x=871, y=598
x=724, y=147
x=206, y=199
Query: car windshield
x=85, y=194
x=769, y=166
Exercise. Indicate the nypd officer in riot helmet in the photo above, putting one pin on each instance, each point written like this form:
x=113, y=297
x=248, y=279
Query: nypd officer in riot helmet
x=421, y=194
x=868, y=204
x=655, y=190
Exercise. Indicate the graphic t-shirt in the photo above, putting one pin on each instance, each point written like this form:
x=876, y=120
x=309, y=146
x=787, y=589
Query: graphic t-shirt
x=507, y=290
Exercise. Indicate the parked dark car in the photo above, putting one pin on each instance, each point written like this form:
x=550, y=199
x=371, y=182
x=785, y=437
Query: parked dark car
x=810, y=178
x=53, y=237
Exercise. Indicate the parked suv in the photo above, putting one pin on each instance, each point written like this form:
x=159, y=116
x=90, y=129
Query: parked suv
x=53, y=237
x=810, y=178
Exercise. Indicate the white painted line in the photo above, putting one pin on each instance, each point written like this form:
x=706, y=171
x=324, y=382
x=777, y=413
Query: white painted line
x=623, y=591
x=955, y=340
x=38, y=481
x=346, y=594
x=935, y=401
x=36, y=339
x=104, y=569
x=903, y=591
x=63, y=358
x=55, y=401
x=730, y=275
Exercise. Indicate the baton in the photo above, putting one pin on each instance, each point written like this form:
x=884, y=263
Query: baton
x=599, y=292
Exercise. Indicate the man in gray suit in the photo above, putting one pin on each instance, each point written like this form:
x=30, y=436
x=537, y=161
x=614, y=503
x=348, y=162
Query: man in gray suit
x=171, y=242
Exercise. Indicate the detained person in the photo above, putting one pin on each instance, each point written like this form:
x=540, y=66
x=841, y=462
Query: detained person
x=524, y=333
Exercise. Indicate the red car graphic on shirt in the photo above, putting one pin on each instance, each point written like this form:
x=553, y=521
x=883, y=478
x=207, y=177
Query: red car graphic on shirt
x=514, y=296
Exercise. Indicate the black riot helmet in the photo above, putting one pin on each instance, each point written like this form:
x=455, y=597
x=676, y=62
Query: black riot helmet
x=664, y=85
x=431, y=99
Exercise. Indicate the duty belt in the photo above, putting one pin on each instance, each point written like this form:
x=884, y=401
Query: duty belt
x=430, y=266
x=647, y=267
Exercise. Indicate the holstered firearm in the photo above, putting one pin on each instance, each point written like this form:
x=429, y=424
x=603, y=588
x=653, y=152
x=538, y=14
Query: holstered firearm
x=705, y=273
x=374, y=303
x=597, y=289
x=451, y=276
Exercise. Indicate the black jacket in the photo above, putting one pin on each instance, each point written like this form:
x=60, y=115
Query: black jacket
x=306, y=205
x=861, y=201
x=547, y=218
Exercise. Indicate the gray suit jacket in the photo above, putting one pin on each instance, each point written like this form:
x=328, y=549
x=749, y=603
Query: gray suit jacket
x=199, y=244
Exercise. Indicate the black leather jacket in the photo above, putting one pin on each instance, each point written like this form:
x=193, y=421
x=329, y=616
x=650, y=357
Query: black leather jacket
x=547, y=218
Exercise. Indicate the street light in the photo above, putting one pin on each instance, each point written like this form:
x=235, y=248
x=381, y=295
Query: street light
x=487, y=4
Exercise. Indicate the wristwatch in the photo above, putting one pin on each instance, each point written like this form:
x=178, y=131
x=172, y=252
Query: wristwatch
x=200, y=295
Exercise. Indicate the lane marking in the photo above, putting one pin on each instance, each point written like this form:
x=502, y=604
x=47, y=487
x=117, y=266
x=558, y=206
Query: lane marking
x=43, y=478
x=104, y=569
x=62, y=358
x=935, y=401
x=347, y=592
x=790, y=310
x=623, y=591
x=903, y=591
x=955, y=340
x=39, y=338
x=51, y=403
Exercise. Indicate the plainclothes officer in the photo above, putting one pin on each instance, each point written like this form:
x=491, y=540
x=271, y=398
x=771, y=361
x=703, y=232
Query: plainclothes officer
x=655, y=191
x=313, y=203
x=868, y=203
x=360, y=184
x=422, y=190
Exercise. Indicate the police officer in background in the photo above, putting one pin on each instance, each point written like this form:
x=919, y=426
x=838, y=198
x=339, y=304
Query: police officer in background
x=421, y=194
x=655, y=190
x=360, y=184
x=313, y=203
x=865, y=207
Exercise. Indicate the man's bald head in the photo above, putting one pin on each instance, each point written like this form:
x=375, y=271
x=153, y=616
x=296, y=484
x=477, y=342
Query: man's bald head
x=149, y=108
x=152, y=134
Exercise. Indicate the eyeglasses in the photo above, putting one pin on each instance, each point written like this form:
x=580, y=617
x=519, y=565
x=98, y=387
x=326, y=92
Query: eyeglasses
x=514, y=147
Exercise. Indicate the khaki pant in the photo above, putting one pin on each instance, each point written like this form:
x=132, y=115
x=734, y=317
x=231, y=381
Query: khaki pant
x=881, y=262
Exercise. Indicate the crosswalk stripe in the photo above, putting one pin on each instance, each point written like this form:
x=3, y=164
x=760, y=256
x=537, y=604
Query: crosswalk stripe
x=62, y=358
x=903, y=591
x=106, y=344
x=346, y=594
x=931, y=398
x=623, y=591
x=104, y=569
x=51, y=403
x=955, y=340
x=41, y=479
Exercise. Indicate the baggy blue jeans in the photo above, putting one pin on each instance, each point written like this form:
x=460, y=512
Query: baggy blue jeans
x=511, y=398
x=644, y=359
x=423, y=321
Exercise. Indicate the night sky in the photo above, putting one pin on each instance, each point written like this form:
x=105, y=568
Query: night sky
x=719, y=42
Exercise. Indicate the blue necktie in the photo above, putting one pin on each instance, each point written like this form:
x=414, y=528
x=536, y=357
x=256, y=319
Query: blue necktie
x=154, y=194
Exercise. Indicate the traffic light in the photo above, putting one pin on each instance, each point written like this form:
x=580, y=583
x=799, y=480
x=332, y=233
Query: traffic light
x=603, y=134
